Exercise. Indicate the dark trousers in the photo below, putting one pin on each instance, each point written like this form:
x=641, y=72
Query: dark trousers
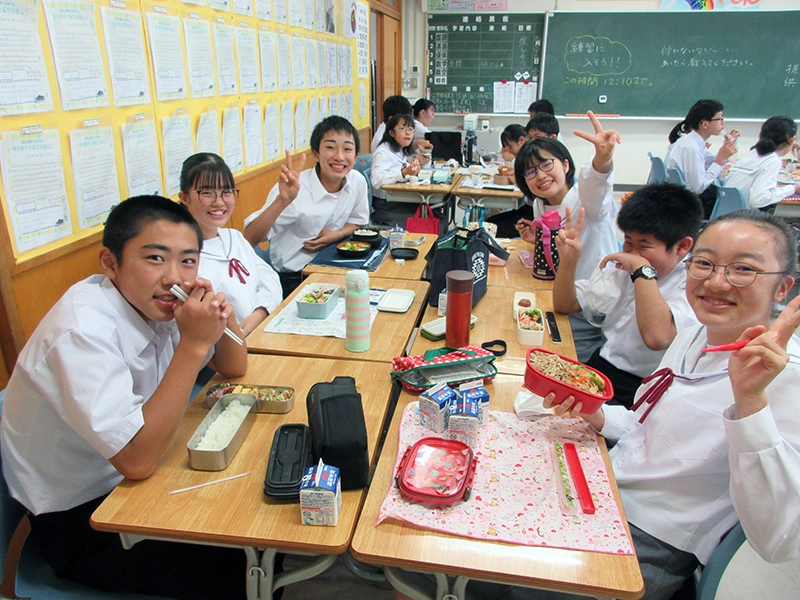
x=290, y=281
x=506, y=221
x=625, y=384
x=708, y=197
x=77, y=552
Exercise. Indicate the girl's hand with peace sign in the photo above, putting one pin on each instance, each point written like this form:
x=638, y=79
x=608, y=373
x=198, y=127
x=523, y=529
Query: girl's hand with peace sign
x=604, y=144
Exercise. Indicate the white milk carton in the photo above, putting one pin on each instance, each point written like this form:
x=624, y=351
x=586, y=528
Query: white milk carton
x=320, y=495
x=476, y=390
x=434, y=407
x=464, y=423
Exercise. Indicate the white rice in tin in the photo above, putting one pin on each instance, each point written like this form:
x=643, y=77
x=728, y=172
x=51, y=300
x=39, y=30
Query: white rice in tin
x=224, y=427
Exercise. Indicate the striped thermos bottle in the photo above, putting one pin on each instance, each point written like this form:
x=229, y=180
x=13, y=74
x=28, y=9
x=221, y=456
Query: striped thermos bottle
x=356, y=303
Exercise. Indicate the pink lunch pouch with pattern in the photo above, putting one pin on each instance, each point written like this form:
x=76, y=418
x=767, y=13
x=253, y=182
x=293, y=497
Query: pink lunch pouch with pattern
x=445, y=365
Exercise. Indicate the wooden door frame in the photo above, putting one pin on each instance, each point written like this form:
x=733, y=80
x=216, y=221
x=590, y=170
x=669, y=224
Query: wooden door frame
x=382, y=57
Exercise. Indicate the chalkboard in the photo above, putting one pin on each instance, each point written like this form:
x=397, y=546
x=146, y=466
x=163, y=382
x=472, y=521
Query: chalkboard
x=468, y=53
x=659, y=64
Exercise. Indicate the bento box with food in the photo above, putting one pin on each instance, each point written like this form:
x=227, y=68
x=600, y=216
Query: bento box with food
x=547, y=372
x=218, y=438
x=317, y=300
x=269, y=399
x=530, y=327
x=523, y=301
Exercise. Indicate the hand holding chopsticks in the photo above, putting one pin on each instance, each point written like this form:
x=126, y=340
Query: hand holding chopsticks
x=183, y=296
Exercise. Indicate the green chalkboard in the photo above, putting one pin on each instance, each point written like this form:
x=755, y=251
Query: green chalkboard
x=468, y=53
x=659, y=64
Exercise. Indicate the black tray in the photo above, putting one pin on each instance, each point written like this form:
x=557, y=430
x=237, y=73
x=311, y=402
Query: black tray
x=290, y=456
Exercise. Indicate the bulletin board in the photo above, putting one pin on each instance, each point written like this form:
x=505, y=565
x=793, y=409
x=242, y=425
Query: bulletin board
x=104, y=100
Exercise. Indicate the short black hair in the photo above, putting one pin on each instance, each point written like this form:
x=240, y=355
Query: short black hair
x=544, y=122
x=532, y=150
x=205, y=170
x=396, y=105
x=127, y=219
x=667, y=211
x=512, y=133
x=702, y=110
x=387, y=138
x=422, y=104
x=333, y=123
x=542, y=105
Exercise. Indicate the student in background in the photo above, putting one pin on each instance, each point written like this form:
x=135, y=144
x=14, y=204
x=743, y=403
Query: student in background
x=391, y=162
x=424, y=114
x=545, y=173
x=756, y=175
x=97, y=395
x=227, y=260
x=687, y=152
x=644, y=299
x=540, y=106
x=721, y=443
x=308, y=210
x=393, y=105
x=543, y=124
x=511, y=139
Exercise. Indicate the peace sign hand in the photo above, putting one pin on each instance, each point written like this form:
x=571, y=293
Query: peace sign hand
x=604, y=143
x=289, y=179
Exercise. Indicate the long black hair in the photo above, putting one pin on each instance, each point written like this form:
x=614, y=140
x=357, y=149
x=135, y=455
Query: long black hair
x=702, y=110
x=396, y=120
x=775, y=132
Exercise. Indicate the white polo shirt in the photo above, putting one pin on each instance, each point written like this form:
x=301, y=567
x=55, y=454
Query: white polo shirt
x=76, y=395
x=314, y=210
x=688, y=155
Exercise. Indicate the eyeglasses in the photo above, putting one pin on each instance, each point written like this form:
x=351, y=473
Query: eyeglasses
x=207, y=197
x=737, y=274
x=403, y=129
x=718, y=119
x=545, y=167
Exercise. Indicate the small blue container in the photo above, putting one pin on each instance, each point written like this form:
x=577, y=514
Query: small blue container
x=317, y=310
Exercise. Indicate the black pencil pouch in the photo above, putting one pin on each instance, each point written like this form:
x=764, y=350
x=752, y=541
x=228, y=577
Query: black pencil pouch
x=336, y=419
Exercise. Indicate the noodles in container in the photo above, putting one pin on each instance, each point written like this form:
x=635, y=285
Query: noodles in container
x=548, y=372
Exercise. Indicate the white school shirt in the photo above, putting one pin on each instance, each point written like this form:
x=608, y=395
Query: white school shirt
x=757, y=178
x=261, y=289
x=314, y=210
x=387, y=167
x=76, y=395
x=592, y=192
x=693, y=468
x=624, y=347
x=688, y=155
x=376, y=139
x=420, y=130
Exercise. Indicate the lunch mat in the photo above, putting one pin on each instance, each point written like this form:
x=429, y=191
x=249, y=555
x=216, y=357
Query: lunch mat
x=288, y=321
x=514, y=496
x=330, y=257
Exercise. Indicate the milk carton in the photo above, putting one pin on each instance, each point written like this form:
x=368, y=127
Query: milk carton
x=464, y=423
x=434, y=407
x=320, y=495
x=475, y=389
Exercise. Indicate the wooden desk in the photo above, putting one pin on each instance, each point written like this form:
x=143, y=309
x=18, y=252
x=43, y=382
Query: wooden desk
x=389, y=268
x=397, y=544
x=514, y=274
x=390, y=331
x=417, y=194
x=236, y=513
x=789, y=207
x=494, y=312
x=488, y=197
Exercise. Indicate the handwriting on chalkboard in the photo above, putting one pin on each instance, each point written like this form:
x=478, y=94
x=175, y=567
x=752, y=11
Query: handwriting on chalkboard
x=590, y=55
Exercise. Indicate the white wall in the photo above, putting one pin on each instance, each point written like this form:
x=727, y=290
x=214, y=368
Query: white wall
x=639, y=135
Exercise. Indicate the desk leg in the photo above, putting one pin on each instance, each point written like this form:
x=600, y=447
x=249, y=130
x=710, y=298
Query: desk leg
x=402, y=585
x=268, y=583
x=253, y=572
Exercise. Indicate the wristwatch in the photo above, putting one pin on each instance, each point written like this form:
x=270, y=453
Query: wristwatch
x=645, y=271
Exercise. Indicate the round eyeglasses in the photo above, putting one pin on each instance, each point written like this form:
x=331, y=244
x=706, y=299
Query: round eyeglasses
x=545, y=167
x=207, y=197
x=737, y=274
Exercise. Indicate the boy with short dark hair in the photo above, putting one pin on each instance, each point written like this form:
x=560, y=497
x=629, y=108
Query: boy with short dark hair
x=543, y=124
x=308, y=210
x=644, y=300
x=99, y=390
x=541, y=106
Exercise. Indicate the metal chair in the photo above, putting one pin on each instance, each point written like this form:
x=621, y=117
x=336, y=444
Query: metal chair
x=729, y=199
x=363, y=163
x=658, y=172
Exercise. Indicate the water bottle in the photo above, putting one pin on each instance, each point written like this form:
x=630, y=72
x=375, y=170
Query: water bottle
x=459, y=308
x=356, y=308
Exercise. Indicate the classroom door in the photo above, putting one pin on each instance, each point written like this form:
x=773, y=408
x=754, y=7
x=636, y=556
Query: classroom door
x=388, y=59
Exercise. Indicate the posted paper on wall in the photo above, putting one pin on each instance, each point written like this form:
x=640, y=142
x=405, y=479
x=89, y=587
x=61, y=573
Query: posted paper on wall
x=197, y=34
x=298, y=52
x=127, y=57
x=269, y=71
x=284, y=66
x=35, y=192
x=253, y=135
x=142, y=159
x=503, y=97
x=247, y=51
x=287, y=126
x=208, y=139
x=176, y=133
x=165, y=48
x=224, y=42
x=94, y=174
x=524, y=94
x=232, y=150
x=272, y=140
x=300, y=124
x=24, y=89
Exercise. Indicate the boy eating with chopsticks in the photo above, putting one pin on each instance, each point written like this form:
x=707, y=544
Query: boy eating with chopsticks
x=98, y=392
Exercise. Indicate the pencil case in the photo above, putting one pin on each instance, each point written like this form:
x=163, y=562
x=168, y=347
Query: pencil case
x=444, y=365
x=436, y=471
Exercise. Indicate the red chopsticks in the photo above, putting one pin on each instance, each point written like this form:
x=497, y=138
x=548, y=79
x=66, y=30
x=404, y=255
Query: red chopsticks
x=584, y=495
x=732, y=347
